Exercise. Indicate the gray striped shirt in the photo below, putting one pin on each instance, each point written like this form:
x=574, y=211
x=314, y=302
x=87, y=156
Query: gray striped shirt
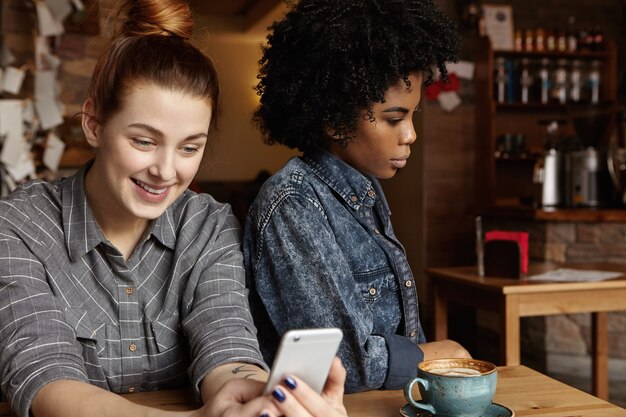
x=72, y=308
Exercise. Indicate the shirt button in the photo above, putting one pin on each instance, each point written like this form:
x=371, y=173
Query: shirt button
x=131, y=389
x=371, y=193
x=129, y=290
x=377, y=231
x=132, y=347
x=413, y=333
x=408, y=283
x=372, y=291
x=354, y=198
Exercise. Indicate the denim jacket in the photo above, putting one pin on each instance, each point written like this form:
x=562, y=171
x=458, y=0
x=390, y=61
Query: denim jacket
x=319, y=251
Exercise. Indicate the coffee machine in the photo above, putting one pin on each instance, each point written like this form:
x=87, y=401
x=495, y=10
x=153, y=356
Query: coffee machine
x=573, y=171
x=551, y=169
x=588, y=182
x=587, y=178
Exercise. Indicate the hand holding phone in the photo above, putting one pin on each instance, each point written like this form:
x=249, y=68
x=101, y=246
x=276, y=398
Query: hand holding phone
x=307, y=354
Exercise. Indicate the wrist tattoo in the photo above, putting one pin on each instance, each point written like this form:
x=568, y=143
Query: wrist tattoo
x=245, y=371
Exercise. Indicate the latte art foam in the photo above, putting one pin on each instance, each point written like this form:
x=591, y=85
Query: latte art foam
x=455, y=371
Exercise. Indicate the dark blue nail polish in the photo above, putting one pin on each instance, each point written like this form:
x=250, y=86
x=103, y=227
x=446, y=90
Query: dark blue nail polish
x=265, y=415
x=279, y=395
x=291, y=383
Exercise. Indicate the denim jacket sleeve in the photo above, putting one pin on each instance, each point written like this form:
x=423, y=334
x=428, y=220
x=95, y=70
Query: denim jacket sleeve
x=303, y=280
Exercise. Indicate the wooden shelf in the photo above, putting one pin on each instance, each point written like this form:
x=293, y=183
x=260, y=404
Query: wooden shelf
x=584, y=215
x=583, y=55
x=554, y=107
x=509, y=181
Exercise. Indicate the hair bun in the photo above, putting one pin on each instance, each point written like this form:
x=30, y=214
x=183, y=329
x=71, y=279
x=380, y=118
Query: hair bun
x=158, y=17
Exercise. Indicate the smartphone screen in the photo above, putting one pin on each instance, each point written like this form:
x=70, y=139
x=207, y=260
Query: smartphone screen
x=307, y=354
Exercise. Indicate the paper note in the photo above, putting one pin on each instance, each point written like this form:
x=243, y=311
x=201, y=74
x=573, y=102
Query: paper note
x=53, y=61
x=41, y=52
x=7, y=57
x=463, y=69
x=48, y=25
x=7, y=185
x=24, y=168
x=49, y=112
x=574, y=275
x=28, y=111
x=449, y=100
x=59, y=9
x=12, y=128
x=498, y=20
x=45, y=84
x=12, y=80
x=53, y=152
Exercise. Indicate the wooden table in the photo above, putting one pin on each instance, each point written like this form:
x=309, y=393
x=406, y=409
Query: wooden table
x=516, y=298
x=526, y=392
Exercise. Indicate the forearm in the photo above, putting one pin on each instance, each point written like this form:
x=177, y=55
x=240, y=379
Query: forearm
x=215, y=379
x=65, y=398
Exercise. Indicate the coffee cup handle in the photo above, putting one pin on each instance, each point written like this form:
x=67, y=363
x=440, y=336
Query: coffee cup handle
x=408, y=394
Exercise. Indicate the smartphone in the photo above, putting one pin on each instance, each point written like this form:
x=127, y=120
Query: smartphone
x=307, y=354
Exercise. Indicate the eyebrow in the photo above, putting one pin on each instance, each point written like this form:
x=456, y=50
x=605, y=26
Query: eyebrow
x=160, y=134
x=396, y=109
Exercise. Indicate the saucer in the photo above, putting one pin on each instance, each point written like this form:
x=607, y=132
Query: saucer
x=494, y=410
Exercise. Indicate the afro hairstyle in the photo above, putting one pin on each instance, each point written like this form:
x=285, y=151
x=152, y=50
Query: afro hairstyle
x=328, y=60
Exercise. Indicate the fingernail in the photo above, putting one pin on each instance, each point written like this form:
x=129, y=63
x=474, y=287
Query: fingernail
x=265, y=415
x=291, y=383
x=279, y=395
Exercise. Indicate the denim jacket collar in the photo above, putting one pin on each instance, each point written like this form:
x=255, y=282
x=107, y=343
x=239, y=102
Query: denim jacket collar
x=355, y=188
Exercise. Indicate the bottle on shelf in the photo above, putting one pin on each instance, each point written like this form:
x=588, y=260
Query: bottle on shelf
x=597, y=37
x=526, y=81
x=519, y=40
x=561, y=41
x=571, y=36
x=544, y=81
x=575, y=82
x=529, y=40
x=559, y=89
x=551, y=40
x=501, y=80
x=593, y=80
x=585, y=39
x=540, y=40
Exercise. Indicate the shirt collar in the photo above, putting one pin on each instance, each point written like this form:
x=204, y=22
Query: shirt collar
x=82, y=233
x=163, y=227
x=353, y=187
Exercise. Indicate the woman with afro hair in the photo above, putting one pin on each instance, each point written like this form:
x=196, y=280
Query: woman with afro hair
x=340, y=81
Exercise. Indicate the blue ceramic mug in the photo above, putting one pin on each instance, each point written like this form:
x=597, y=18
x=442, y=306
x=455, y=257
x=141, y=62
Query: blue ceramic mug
x=453, y=387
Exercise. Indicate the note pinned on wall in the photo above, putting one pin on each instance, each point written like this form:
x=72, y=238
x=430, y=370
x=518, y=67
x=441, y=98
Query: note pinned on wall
x=6, y=56
x=498, y=20
x=12, y=80
x=53, y=152
x=49, y=112
x=60, y=9
x=12, y=128
x=23, y=168
x=48, y=25
x=45, y=84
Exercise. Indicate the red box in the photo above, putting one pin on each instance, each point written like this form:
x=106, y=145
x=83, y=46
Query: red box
x=520, y=237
